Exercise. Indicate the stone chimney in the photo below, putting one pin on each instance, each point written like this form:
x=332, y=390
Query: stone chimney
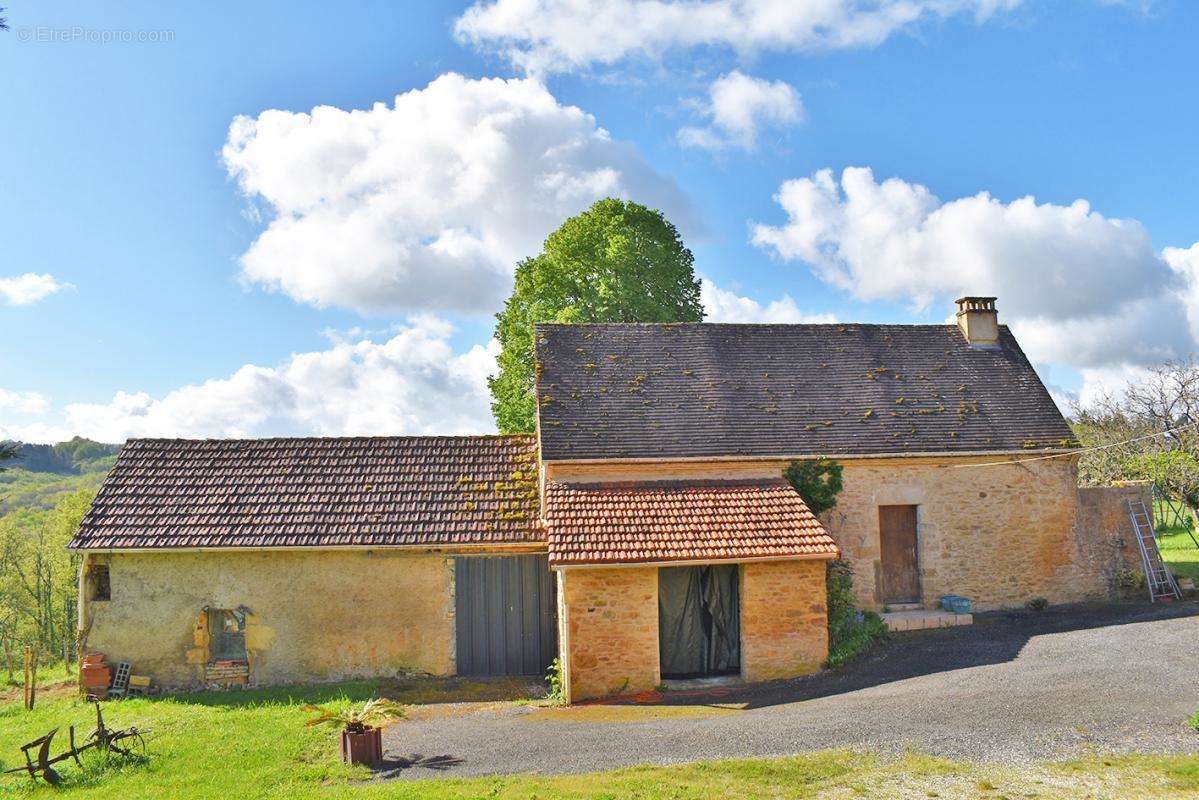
x=979, y=321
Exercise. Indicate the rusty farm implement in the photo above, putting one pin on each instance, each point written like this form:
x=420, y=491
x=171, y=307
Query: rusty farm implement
x=125, y=742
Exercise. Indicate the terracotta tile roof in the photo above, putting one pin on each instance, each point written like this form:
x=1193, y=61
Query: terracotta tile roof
x=680, y=521
x=437, y=490
x=702, y=389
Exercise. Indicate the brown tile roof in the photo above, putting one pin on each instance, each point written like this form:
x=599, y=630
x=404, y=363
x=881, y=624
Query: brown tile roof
x=680, y=521
x=702, y=389
x=384, y=491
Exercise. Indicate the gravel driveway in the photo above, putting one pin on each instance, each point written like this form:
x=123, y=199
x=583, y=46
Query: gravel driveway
x=1012, y=687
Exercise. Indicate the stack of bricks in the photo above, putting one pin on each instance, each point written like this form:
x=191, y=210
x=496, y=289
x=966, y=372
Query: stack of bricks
x=227, y=672
x=95, y=676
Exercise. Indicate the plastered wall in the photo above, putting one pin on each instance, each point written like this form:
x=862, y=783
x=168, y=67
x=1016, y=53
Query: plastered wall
x=310, y=616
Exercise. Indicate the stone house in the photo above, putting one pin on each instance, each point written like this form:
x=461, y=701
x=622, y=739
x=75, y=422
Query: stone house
x=644, y=533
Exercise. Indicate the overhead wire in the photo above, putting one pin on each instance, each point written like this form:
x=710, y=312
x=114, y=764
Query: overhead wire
x=1079, y=451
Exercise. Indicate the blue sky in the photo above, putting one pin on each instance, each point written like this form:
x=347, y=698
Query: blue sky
x=149, y=287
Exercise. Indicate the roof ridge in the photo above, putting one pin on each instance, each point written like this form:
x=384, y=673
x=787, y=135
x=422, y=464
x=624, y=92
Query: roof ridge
x=381, y=438
x=832, y=325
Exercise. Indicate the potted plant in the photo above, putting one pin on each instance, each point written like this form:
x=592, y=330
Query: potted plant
x=361, y=727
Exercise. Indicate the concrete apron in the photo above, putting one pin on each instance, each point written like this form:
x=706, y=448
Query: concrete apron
x=915, y=620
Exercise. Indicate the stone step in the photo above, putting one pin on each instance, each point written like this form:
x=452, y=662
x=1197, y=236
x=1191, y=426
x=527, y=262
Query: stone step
x=919, y=620
x=904, y=606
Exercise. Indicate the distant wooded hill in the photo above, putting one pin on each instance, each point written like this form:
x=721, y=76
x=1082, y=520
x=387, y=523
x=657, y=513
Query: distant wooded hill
x=65, y=458
x=44, y=493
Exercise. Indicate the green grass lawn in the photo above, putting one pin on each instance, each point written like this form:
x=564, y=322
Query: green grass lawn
x=253, y=744
x=1180, y=554
x=1178, y=549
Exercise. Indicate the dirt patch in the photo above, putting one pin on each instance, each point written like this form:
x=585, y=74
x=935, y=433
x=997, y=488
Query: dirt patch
x=60, y=688
x=432, y=697
x=440, y=710
x=631, y=713
x=431, y=690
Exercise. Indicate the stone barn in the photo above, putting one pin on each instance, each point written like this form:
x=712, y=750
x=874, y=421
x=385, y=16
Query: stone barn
x=644, y=533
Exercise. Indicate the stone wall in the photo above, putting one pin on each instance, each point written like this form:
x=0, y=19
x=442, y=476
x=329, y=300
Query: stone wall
x=998, y=534
x=610, y=621
x=1105, y=531
x=784, y=619
x=309, y=616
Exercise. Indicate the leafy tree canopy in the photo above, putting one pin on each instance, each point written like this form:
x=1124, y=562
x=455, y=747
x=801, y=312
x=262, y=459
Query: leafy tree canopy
x=1150, y=431
x=818, y=482
x=618, y=261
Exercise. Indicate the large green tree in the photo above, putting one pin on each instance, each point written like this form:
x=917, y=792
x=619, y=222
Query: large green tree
x=618, y=261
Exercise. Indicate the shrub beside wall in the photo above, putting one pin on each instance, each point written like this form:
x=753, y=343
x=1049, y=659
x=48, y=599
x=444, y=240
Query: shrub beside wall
x=850, y=632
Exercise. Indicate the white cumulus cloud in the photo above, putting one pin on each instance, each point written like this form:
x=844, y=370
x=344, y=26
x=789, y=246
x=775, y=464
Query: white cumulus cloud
x=1185, y=263
x=562, y=35
x=23, y=402
x=23, y=290
x=722, y=305
x=738, y=107
x=412, y=383
x=430, y=202
x=1078, y=288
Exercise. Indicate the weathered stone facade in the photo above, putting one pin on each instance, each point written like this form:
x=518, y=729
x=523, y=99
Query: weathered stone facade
x=609, y=623
x=1105, y=530
x=784, y=619
x=318, y=615
x=998, y=534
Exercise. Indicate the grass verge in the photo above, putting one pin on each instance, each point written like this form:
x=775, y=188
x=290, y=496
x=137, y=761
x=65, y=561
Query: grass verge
x=253, y=744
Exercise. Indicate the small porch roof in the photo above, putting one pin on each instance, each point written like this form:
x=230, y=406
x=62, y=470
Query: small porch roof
x=680, y=521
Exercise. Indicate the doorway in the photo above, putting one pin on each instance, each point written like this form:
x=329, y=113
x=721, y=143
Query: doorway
x=699, y=621
x=900, y=557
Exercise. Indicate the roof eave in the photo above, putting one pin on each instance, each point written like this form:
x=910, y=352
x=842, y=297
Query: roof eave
x=826, y=556
x=838, y=456
x=446, y=549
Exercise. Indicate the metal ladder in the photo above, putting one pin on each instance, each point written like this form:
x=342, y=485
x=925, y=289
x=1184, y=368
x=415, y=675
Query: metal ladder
x=1159, y=580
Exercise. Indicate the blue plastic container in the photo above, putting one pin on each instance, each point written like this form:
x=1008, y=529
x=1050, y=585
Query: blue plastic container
x=956, y=604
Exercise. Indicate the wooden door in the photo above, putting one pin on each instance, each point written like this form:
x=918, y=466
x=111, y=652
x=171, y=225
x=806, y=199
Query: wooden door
x=506, y=615
x=901, y=565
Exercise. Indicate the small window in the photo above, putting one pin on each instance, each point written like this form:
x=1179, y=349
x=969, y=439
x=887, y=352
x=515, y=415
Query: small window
x=226, y=635
x=99, y=587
